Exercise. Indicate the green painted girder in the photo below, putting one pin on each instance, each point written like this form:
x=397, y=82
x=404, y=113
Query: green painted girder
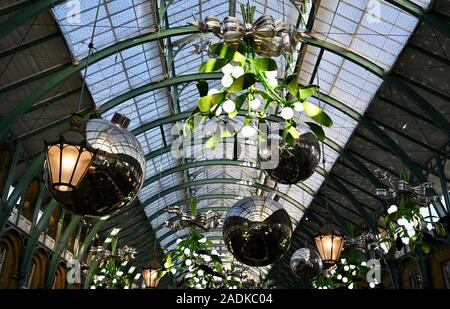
x=344, y=180
x=25, y=14
x=60, y=245
x=407, y=110
x=425, y=106
x=359, y=206
x=32, y=78
x=20, y=188
x=402, y=134
x=442, y=179
x=55, y=98
x=11, y=8
x=360, y=168
x=377, y=164
x=36, y=231
x=429, y=54
x=432, y=19
x=29, y=44
x=90, y=236
x=11, y=172
x=222, y=181
x=421, y=86
x=24, y=105
x=62, y=120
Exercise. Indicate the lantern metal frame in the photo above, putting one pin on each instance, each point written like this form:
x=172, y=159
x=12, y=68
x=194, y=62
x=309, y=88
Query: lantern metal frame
x=150, y=273
x=61, y=143
x=328, y=231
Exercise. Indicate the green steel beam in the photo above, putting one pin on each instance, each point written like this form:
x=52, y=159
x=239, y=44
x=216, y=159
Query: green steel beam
x=442, y=179
x=421, y=86
x=90, y=236
x=20, y=188
x=24, y=105
x=392, y=79
x=13, y=7
x=26, y=13
x=359, y=206
x=32, y=78
x=407, y=110
x=60, y=245
x=429, y=54
x=36, y=231
x=29, y=44
x=433, y=19
x=54, y=124
x=55, y=98
x=11, y=172
x=234, y=181
x=403, y=134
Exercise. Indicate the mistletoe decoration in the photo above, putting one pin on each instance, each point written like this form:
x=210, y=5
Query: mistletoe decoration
x=349, y=273
x=406, y=224
x=111, y=272
x=250, y=84
x=193, y=260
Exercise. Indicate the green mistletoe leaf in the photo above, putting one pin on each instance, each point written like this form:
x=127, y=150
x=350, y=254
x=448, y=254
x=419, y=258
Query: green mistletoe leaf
x=292, y=84
x=265, y=64
x=317, y=130
x=212, y=65
x=309, y=91
x=205, y=103
x=317, y=114
x=243, y=82
x=222, y=50
x=203, y=88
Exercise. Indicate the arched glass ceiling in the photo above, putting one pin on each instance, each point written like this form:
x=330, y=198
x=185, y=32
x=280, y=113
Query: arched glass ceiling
x=346, y=23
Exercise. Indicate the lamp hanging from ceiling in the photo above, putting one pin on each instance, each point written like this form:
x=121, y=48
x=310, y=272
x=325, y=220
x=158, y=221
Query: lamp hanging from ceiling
x=97, y=167
x=150, y=274
x=68, y=158
x=329, y=242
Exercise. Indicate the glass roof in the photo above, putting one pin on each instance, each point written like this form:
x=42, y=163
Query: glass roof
x=373, y=29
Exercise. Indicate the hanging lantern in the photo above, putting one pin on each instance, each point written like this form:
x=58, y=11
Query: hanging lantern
x=151, y=278
x=150, y=274
x=257, y=231
x=297, y=162
x=306, y=263
x=68, y=158
x=329, y=242
x=113, y=176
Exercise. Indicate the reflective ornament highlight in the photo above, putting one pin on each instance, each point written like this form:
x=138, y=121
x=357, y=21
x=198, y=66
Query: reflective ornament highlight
x=115, y=174
x=257, y=231
x=306, y=263
x=296, y=162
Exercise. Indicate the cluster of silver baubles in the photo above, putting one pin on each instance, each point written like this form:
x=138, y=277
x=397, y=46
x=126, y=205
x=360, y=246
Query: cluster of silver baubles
x=95, y=168
x=297, y=162
x=257, y=231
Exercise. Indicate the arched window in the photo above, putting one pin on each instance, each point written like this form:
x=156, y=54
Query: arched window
x=2, y=256
x=31, y=274
x=446, y=273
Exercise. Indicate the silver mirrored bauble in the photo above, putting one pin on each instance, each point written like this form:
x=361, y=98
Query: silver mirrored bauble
x=306, y=263
x=257, y=231
x=297, y=162
x=116, y=173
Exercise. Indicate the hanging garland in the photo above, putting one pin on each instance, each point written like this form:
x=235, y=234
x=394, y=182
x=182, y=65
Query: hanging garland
x=250, y=84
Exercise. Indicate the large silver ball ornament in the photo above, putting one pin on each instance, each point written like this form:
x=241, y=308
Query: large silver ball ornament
x=257, y=231
x=306, y=263
x=115, y=175
x=297, y=162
